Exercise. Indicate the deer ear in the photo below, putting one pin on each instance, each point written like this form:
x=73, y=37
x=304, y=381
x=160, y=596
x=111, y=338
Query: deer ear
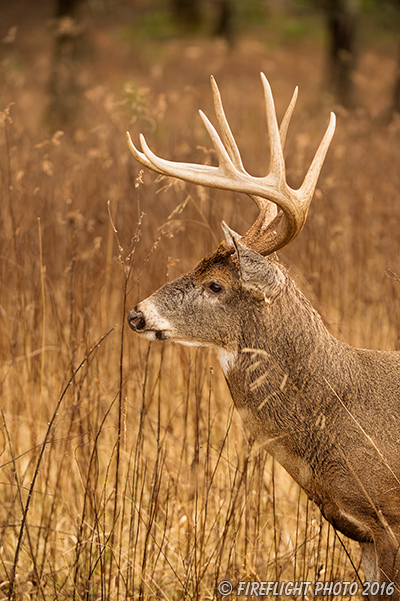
x=231, y=237
x=258, y=273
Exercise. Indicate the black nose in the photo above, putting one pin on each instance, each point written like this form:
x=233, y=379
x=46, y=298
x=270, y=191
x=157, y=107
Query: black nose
x=136, y=320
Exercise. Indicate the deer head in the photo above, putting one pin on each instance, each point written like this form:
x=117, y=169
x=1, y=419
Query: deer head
x=283, y=212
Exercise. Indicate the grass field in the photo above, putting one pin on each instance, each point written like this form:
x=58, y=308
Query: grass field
x=125, y=471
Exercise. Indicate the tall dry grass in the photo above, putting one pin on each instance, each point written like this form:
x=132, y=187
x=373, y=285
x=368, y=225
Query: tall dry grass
x=125, y=471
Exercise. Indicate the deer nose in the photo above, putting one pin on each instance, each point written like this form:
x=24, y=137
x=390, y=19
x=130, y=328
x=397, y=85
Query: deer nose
x=136, y=320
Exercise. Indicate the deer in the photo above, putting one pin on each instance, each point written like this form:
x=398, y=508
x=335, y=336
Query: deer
x=328, y=412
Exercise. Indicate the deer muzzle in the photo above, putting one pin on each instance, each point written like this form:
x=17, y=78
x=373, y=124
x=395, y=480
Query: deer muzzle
x=146, y=320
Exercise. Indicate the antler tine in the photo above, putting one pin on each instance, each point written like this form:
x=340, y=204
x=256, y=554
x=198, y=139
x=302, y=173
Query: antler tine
x=226, y=133
x=311, y=178
x=277, y=162
x=287, y=117
x=139, y=156
x=270, y=231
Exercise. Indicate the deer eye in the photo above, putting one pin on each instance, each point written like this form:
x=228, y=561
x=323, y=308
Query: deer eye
x=214, y=287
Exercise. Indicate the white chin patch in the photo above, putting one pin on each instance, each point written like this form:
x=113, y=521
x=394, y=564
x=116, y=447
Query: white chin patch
x=156, y=335
x=149, y=335
x=188, y=343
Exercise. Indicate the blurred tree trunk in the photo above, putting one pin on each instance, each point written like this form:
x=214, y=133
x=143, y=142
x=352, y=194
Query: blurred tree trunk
x=64, y=86
x=66, y=7
x=396, y=94
x=396, y=91
x=224, y=26
x=187, y=13
x=341, y=24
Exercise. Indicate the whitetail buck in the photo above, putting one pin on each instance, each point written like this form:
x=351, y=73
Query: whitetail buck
x=328, y=412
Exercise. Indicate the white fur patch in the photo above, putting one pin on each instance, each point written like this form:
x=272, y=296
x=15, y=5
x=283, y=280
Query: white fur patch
x=151, y=335
x=370, y=562
x=226, y=360
x=188, y=343
x=353, y=520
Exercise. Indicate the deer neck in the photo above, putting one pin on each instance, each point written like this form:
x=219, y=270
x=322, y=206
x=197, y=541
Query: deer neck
x=280, y=378
x=287, y=334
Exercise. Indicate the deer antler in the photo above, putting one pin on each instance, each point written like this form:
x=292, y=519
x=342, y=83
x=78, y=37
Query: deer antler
x=271, y=230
